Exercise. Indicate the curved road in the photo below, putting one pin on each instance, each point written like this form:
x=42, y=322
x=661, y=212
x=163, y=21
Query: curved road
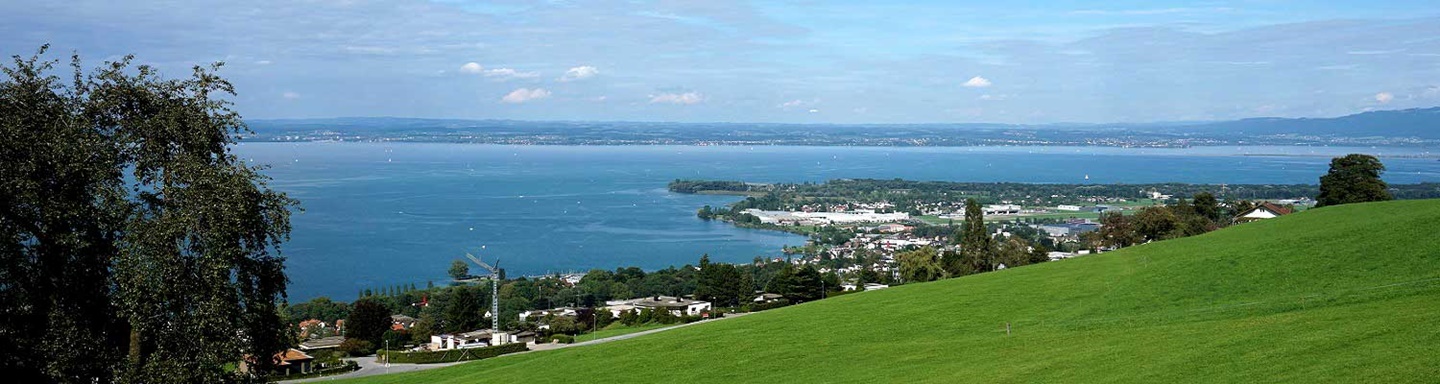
x=368, y=366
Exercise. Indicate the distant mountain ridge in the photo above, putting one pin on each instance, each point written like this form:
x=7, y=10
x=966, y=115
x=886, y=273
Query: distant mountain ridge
x=1410, y=127
x=1419, y=122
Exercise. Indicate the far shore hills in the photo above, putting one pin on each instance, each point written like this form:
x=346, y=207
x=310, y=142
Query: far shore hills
x=1413, y=128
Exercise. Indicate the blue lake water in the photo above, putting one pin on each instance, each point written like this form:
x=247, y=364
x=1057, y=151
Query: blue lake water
x=377, y=215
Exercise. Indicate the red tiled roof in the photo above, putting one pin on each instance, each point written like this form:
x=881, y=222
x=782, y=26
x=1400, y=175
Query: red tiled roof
x=1278, y=209
x=292, y=354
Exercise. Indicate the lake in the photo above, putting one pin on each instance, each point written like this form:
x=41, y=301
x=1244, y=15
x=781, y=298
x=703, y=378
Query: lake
x=378, y=214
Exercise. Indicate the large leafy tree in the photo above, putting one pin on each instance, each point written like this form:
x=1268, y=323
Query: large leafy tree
x=920, y=265
x=134, y=247
x=1353, y=178
x=369, y=319
x=1207, y=206
x=1117, y=230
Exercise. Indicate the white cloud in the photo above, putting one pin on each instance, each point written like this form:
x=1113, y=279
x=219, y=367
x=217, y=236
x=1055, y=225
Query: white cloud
x=686, y=98
x=977, y=82
x=290, y=95
x=1384, y=97
x=580, y=73
x=503, y=74
x=525, y=94
x=262, y=62
x=791, y=104
x=471, y=67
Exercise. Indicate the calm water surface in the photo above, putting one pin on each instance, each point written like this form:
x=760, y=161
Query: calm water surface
x=385, y=214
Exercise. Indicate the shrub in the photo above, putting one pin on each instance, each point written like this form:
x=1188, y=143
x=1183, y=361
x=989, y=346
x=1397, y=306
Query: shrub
x=757, y=307
x=562, y=338
x=357, y=347
x=335, y=369
x=454, y=354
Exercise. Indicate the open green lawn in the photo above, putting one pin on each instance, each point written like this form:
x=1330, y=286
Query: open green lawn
x=1341, y=294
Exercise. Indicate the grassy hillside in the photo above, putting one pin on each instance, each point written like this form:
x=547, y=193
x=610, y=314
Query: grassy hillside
x=1340, y=294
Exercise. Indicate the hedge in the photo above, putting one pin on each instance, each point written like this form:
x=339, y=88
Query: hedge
x=562, y=338
x=452, y=355
x=344, y=366
x=764, y=306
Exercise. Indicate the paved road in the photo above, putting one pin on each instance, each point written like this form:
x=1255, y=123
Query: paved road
x=368, y=366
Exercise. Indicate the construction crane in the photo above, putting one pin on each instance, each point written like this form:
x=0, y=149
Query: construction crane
x=494, y=289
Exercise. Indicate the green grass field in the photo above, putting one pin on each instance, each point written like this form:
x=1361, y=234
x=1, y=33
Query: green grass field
x=618, y=329
x=1342, y=294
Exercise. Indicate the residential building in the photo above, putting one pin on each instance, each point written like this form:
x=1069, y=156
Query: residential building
x=1265, y=210
x=472, y=339
x=768, y=298
x=678, y=306
x=291, y=361
x=322, y=343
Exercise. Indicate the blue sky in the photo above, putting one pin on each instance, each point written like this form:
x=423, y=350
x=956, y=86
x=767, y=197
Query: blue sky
x=774, y=61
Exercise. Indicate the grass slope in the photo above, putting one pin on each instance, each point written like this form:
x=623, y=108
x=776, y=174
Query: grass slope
x=1340, y=294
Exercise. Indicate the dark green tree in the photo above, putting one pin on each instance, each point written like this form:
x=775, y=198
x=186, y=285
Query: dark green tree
x=1207, y=206
x=977, y=249
x=920, y=265
x=1156, y=223
x=369, y=319
x=1353, y=178
x=1116, y=230
x=459, y=270
x=134, y=246
x=707, y=284
x=463, y=310
x=321, y=308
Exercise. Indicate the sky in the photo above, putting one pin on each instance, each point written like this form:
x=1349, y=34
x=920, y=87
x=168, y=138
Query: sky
x=1026, y=62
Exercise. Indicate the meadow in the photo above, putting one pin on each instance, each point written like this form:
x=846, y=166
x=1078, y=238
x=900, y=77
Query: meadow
x=1339, y=294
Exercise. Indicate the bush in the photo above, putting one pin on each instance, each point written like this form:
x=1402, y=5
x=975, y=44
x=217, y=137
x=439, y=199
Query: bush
x=453, y=355
x=396, y=339
x=764, y=306
x=342, y=367
x=561, y=338
x=357, y=347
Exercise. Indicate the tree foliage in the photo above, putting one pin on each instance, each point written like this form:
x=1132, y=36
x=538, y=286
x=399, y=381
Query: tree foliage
x=1353, y=178
x=369, y=319
x=459, y=270
x=920, y=265
x=134, y=246
x=977, y=249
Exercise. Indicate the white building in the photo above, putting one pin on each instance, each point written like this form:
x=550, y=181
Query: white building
x=472, y=339
x=1067, y=207
x=541, y=313
x=1263, y=211
x=1001, y=209
x=860, y=216
x=678, y=306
